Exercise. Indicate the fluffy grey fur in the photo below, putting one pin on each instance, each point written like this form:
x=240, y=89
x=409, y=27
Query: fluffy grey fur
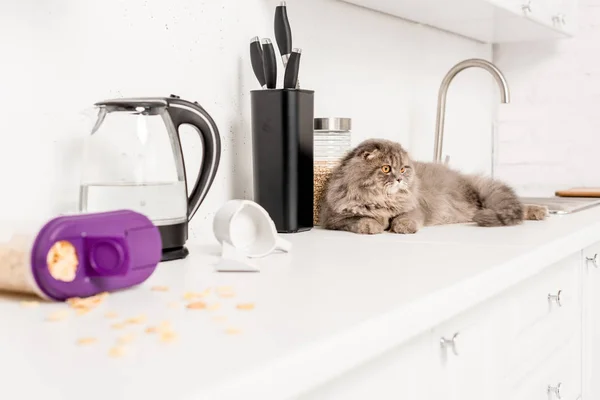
x=378, y=187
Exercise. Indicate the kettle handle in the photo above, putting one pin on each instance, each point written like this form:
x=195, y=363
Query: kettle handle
x=185, y=112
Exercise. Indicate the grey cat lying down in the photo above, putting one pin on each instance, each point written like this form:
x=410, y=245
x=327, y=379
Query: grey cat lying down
x=378, y=187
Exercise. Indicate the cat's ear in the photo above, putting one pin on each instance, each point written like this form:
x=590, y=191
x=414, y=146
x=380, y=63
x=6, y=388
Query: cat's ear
x=369, y=154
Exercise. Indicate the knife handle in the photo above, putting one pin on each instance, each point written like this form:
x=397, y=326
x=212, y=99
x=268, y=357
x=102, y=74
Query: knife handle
x=290, y=78
x=256, y=58
x=283, y=32
x=269, y=63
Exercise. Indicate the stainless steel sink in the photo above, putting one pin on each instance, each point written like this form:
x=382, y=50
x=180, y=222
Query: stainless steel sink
x=563, y=205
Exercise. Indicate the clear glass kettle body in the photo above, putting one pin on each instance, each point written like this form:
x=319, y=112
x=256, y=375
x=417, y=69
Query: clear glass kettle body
x=132, y=163
x=133, y=160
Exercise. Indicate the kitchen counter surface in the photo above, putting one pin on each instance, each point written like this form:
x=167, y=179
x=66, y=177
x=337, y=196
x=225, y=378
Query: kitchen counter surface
x=337, y=300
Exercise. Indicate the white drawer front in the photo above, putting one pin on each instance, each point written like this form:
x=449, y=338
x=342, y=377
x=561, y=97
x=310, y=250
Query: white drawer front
x=402, y=373
x=468, y=347
x=546, y=313
x=559, y=375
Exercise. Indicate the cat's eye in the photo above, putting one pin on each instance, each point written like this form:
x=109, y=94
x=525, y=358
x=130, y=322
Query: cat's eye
x=386, y=169
x=402, y=170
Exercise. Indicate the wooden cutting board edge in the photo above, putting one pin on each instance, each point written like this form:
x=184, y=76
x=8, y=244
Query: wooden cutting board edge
x=579, y=192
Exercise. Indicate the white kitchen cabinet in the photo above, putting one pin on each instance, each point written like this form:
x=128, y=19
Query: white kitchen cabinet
x=468, y=350
x=407, y=372
x=524, y=344
x=489, y=21
x=591, y=322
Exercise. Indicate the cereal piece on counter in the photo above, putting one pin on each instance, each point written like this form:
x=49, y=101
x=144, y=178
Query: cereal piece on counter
x=116, y=352
x=87, y=302
x=225, y=291
x=197, y=305
x=30, y=304
x=213, y=306
x=118, y=325
x=58, y=315
x=136, y=320
x=193, y=295
x=226, y=294
x=86, y=340
x=125, y=339
x=168, y=336
x=111, y=314
x=165, y=325
x=245, y=306
x=232, y=331
x=82, y=311
x=160, y=288
x=151, y=329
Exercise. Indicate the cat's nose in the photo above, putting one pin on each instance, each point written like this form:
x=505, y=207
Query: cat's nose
x=399, y=179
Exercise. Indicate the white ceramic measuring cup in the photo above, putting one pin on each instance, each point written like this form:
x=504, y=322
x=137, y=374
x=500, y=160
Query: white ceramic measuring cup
x=248, y=228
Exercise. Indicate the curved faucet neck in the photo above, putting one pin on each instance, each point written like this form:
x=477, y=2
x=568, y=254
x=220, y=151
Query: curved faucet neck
x=441, y=106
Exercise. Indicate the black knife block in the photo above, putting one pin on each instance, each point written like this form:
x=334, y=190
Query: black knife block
x=282, y=151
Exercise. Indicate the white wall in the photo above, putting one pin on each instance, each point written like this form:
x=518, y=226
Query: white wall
x=549, y=137
x=59, y=57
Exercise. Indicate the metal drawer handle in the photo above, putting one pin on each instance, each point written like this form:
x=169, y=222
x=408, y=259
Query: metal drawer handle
x=445, y=343
x=593, y=260
x=555, y=298
x=555, y=390
x=559, y=19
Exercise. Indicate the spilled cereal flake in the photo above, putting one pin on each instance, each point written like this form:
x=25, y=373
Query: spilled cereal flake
x=168, y=336
x=118, y=325
x=110, y=314
x=225, y=291
x=245, y=306
x=136, y=320
x=160, y=288
x=30, y=304
x=198, y=305
x=58, y=315
x=86, y=341
x=125, y=339
x=151, y=329
x=116, y=352
x=82, y=311
x=232, y=331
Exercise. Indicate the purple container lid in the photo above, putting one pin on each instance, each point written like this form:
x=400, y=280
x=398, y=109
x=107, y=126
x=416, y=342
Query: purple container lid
x=116, y=250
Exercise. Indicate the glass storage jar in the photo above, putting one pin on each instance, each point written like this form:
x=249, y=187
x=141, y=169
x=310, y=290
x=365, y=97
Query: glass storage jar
x=332, y=140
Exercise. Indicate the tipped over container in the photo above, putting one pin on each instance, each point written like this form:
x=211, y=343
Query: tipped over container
x=80, y=255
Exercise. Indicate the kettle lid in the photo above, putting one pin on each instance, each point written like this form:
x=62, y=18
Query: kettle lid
x=130, y=104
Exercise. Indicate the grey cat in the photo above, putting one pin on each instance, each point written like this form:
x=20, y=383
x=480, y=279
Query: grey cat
x=378, y=187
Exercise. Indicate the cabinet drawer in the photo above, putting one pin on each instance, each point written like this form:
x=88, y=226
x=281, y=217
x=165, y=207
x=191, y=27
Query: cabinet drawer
x=404, y=372
x=468, y=347
x=562, y=370
x=546, y=313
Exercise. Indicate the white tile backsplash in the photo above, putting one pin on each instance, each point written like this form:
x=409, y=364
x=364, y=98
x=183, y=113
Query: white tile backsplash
x=549, y=138
x=59, y=57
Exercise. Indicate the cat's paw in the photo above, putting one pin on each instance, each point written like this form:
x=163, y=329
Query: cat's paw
x=404, y=226
x=534, y=212
x=367, y=226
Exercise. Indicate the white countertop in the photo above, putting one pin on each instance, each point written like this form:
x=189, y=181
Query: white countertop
x=336, y=300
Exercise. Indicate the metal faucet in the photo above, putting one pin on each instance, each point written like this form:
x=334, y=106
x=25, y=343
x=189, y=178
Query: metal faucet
x=441, y=107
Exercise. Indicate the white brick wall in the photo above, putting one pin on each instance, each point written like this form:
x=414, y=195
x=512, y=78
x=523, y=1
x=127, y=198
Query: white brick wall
x=59, y=57
x=549, y=136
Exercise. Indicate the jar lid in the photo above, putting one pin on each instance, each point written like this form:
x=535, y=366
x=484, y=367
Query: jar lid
x=333, y=124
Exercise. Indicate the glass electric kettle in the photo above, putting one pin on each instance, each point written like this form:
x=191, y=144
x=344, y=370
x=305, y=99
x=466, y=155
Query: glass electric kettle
x=133, y=160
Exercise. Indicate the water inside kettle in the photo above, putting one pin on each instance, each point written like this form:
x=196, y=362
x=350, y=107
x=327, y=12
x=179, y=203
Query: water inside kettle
x=163, y=202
